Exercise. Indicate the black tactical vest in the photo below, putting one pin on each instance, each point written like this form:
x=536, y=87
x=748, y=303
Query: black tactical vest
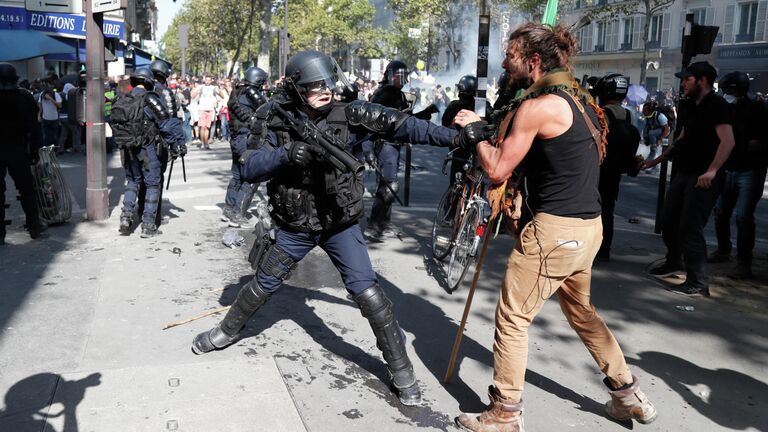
x=316, y=198
x=169, y=99
x=235, y=110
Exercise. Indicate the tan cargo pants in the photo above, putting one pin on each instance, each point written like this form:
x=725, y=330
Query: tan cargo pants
x=553, y=255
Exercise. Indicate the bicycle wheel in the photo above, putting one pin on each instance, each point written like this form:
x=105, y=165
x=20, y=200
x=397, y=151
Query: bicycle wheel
x=444, y=225
x=461, y=256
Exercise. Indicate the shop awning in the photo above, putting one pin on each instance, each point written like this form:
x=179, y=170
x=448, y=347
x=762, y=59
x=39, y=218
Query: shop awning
x=25, y=44
x=71, y=53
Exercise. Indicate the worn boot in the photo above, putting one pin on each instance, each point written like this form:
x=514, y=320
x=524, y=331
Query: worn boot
x=629, y=403
x=149, y=230
x=248, y=301
x=377, y=308
x=125, y=224
x=497, y=417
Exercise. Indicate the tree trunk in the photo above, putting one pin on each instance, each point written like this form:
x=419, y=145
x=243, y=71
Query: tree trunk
x=265, y=38
x=646, y=27
x=241, y=38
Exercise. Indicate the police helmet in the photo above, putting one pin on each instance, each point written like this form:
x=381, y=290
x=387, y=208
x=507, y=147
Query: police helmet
x=160, y=69
x=312, y=69
x=143, y=76
x=8, y=76
x=255, y=76
x=612, y=86
x=396, y=73
x=736, y=83
x=467, y=85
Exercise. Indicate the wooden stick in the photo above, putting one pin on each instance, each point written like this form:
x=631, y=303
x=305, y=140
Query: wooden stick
x=475, y=278
x=202, y=315
x=216, y=290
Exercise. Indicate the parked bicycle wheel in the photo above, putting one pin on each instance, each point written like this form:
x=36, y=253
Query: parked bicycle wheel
x=443, y=227
x=463, y=250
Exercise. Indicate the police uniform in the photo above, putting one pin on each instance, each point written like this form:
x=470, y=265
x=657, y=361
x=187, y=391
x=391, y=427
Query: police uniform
x=18, y=149
x=315, y=205
x=242, y=104
x=143, y=165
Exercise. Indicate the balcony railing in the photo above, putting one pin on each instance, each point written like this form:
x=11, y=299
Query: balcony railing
x=653, y=44
x=749, y=37
x=599, y=48
x=625, y=46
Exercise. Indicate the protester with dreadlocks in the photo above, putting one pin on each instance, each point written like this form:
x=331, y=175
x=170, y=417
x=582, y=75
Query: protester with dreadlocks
x=556, y=133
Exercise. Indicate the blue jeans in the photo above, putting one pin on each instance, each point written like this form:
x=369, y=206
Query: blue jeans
x=186, y=127
x=224, y=127
x=739, y=199
x=50, y=132
x=345, y=247
x=685, y=214
x=142, y=166
x=238, y=191
x=388, y=159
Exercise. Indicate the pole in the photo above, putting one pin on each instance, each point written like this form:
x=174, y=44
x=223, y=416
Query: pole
x=407, y=180
x=484, y=31
x=283, y=42
x=457, y=342
x=96, y=192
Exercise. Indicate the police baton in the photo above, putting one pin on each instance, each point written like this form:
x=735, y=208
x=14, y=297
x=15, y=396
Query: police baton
x=183, y=169
x=170, y=173
x=386, y=183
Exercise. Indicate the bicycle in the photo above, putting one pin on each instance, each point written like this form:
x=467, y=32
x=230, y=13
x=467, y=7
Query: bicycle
x=460, y=221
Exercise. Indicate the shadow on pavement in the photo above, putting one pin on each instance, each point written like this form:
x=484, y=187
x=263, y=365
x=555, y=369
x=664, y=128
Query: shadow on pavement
x=27, y=402
x=728, y=398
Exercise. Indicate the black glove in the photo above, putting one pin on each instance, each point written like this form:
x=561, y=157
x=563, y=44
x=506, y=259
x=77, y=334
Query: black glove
x=301, y=153
x=182, y=150
x=174, y=152
x=474, y=133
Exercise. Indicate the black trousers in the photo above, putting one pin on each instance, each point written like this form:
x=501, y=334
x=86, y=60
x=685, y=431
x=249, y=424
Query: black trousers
x=25, y=184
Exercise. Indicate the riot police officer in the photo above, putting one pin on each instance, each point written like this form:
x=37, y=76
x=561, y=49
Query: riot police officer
x=18, y=148
x=141, y=161
x=385, y=154
x=623, y=139
x=161, y=70
x=315, y=204
x=243, y=102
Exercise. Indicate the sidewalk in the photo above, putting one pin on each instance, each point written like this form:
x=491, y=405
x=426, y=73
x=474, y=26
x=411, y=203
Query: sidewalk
x=82, y=344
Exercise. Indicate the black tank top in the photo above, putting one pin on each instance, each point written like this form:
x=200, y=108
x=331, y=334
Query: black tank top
x=562, y=173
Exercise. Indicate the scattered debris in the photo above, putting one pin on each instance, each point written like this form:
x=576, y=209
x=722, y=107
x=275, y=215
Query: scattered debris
x=233, y=239
x=685, y=308
x=176, y=251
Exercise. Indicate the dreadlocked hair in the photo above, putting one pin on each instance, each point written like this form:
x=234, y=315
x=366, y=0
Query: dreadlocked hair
x=602, y=148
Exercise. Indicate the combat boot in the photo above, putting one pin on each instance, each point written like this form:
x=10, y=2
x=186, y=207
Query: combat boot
x=232, y=217
x=248, y=301
x=149, y=230
x=629, y=403
x=38, y=230
x=498, y=416
x=125, y=224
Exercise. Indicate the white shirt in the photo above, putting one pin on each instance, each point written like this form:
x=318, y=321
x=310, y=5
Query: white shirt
x=50, y=111
x=207, y=100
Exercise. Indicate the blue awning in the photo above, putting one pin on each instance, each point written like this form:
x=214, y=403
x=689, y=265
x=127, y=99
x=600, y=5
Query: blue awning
x=71, y=53
x=25, y=44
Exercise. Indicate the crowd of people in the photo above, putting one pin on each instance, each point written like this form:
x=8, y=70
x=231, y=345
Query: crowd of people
x=562, y=145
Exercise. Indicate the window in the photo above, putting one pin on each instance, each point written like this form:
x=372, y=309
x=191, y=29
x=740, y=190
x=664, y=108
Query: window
x=629, y=27
x=654, y=30
x=747, y=21
x=600, y=36
x=699, y=16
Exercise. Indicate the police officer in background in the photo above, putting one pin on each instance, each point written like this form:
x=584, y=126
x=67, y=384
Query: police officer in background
x=161, y=70
x=142, y=163
x=386, y=155
x=243, y=102
x=467, y=89
x=744, y=175
x=22, y=138
x=623, y=140
x=314, y=204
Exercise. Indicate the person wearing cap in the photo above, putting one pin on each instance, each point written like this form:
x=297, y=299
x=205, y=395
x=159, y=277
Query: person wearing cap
x=700, y=152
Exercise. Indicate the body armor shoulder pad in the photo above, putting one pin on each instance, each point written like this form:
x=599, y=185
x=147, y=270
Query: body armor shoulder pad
x=170, y=100
x=157, y=106
x=374, y=117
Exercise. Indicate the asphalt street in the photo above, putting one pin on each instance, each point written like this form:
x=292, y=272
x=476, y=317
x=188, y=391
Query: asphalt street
x=82, y=345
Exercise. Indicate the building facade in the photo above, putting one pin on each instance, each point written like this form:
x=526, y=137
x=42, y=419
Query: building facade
x=615, y=44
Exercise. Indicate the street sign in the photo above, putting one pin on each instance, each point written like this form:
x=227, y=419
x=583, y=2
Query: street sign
x=99, y=6
x=183, y=36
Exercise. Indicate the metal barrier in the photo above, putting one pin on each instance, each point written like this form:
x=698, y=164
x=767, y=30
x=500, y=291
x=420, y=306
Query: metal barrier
x=53, y=196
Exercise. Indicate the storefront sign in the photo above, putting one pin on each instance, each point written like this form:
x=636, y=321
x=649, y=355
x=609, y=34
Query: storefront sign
x=70, y=25
x=740, y=52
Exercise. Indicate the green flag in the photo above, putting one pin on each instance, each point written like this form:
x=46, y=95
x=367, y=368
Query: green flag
x=550, y=13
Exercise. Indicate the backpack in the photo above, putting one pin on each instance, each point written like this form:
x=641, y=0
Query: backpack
x=130, y=127
x=623, y=140
x=668, y=111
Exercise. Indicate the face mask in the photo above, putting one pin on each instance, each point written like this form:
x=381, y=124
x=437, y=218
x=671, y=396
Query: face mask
x=731, y=99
